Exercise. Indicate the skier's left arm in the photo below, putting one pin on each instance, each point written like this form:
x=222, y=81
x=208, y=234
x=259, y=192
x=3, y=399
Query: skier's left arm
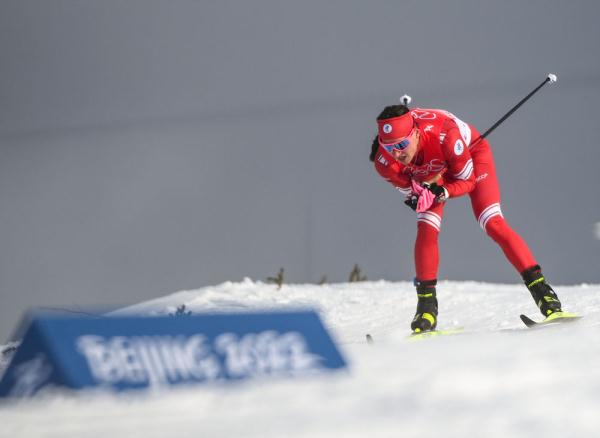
x=459, y=179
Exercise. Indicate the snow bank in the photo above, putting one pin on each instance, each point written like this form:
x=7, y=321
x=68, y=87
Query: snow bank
x=497, y=379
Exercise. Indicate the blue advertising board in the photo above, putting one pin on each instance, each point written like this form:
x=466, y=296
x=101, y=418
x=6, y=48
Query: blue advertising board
x=137, y=352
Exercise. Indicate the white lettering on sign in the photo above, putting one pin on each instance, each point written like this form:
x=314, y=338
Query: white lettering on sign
x=266, y=353
x=158, y=360
x=152, y=360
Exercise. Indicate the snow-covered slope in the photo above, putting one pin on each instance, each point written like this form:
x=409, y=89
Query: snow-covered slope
x=498, y=379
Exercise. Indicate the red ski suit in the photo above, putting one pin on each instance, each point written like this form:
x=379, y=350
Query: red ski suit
x=449, y=155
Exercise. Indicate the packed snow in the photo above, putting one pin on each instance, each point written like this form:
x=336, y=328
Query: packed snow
x=495, y=379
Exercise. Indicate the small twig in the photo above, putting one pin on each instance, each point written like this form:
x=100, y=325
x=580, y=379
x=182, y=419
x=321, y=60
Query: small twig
x=181, y=311
x=9, y=350
x=278, y=279
x=355, y=275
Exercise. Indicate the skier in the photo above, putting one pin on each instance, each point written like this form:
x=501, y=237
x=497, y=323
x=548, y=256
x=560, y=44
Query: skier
x=431, y=156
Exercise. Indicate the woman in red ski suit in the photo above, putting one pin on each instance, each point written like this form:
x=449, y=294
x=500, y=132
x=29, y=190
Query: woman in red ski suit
x=431, y=156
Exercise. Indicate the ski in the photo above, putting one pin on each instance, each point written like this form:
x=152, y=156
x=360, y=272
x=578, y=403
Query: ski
x=414, y=336
x=553, y=319
x=433, y=333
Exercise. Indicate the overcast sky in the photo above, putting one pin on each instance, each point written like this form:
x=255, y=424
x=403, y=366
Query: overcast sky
x=153, y=146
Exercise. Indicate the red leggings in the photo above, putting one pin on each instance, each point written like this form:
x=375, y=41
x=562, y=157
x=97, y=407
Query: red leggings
x=485, y=201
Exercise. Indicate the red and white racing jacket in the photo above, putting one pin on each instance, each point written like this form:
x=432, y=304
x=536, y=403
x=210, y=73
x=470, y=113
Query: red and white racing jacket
x=443, y=156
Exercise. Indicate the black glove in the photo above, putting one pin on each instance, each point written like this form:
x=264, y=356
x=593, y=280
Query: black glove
x=411, y=201
x=440, y=192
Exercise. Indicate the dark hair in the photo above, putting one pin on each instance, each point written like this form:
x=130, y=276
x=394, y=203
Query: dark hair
x=387, y=113
x=392, y=111
x=374, y=147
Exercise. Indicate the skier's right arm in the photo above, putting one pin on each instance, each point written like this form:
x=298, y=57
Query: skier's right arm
x=391, y=171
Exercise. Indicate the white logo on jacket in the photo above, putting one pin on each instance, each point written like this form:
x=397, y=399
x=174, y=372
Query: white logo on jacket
x=459, y=147
x=423, y=115
x=433, y=166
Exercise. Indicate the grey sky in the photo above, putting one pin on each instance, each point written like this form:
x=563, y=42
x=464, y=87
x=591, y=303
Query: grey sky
x=152, y=146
